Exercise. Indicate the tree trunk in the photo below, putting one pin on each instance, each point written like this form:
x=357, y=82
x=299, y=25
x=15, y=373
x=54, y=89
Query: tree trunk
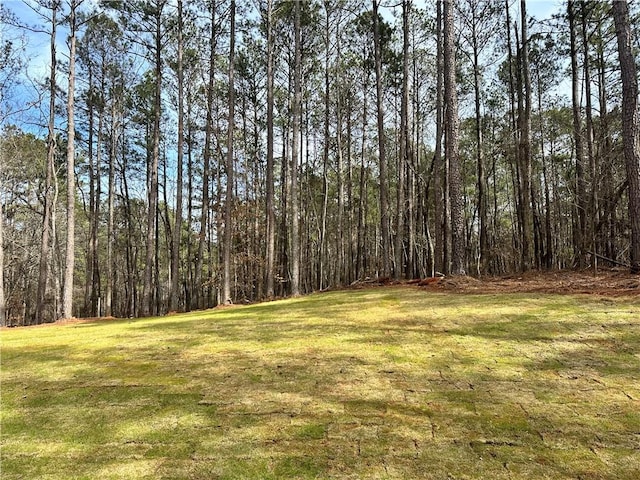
x=67, y=301
x=258, y=231
x=44, y=269
x=152, y=182
x=215, y=231
x=190, y=281
x=95, y=227
x=325, y=158
x=548, y=251
x=451, y=143
x=382, y=158
x=525, y=142
x=607, y=190
x=111, y=267
x=165, y=216
x=340, y=237
x=284, y=208
x=297, y=100
x=403, y=159
x=421, y=254
x=271, y=218
x=591, y=197
x=92, y=245
x=199, y=296
x=226, y=262
x=630, y=123
x=441, y=258
x=131, y=301
x=482, y=176
x=514, y=74
x=3, y=319
x=350, y=204
x=340, y=186
x=415, y=199
x=362, y=199
x=581, y=204
x=177, y=229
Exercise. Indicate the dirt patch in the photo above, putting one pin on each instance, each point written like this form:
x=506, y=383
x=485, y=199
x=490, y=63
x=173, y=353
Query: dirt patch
x=604, y=282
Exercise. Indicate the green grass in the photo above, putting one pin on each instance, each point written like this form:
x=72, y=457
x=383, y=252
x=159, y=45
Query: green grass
x=393, y=383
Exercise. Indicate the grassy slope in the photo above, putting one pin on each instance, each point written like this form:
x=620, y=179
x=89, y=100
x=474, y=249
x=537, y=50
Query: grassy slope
x=383, y=383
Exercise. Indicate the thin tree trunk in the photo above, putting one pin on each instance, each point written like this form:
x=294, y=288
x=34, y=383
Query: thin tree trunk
x=132, y=272
x=226, y=262
x=325, y=157
x=340, y=237
x=190, y=282
x=204, y=213
x=592, y=213
x=111, y=212
x=421, y=254
x=95, y=227
x=297, y=100
x=482, y=176
x=44, y=270
x=630, y=123
x=271, y=218
x=604, y=155
x=152, y=195
x=165, y=216
x=93, y=266
x=548, y=251
x=258, y=231
x=361, y=250
x=403, y=159
x=57, y=256
x=91, y=250
x=581, y=204
x=218, y=231
x=3, y=319
x=441, y=258
x=67, y=299
x=525, y=142
x=177, y=229
x=514, y=77
x=350, y=207
x=305, y=246
x=284, y=196
x=340, y=185
x=414, y=199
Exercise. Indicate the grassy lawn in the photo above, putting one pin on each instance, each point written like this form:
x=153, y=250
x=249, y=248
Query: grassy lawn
x=394, y=383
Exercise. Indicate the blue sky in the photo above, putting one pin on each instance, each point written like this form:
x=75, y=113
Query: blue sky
x=39, y=44
x=37, y=54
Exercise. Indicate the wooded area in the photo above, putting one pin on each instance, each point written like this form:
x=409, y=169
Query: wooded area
x=179, y=155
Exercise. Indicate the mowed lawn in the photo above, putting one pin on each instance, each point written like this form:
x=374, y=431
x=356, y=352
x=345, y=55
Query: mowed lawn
x=395, y=383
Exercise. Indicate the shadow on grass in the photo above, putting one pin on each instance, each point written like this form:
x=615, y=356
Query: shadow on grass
x=415, y=393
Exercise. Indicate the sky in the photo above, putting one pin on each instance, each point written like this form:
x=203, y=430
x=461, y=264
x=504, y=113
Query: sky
x=38, y=48
x=39, y=44
x=544, y=8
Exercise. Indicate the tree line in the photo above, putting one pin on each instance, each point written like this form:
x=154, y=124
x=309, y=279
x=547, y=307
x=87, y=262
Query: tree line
x=180, y=155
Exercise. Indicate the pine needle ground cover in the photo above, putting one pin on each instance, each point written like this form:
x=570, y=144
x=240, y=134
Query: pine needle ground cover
x=393, y=383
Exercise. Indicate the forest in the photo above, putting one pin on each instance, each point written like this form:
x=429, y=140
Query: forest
x=170, y=155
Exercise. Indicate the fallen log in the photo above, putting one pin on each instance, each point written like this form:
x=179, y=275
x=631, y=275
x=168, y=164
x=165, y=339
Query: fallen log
x=616, y=262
